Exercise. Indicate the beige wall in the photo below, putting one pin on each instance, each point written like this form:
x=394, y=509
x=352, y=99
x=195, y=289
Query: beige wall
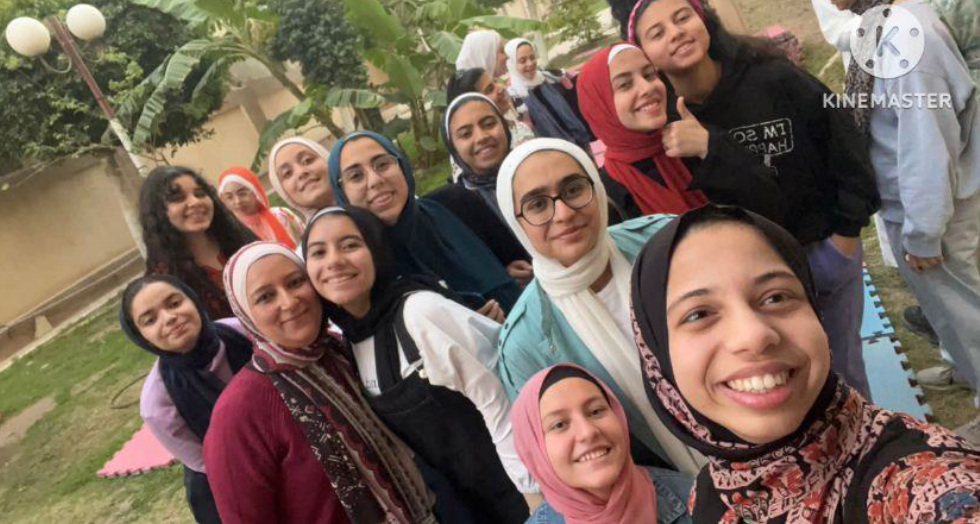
x=55, y=228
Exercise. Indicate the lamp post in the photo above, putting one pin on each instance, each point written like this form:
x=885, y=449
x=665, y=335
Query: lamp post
x=30, y=38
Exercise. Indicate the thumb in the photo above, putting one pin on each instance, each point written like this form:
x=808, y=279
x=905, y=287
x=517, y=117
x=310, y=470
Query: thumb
x=682, y=110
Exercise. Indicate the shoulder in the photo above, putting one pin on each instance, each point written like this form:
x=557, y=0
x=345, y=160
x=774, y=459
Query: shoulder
x=523, y=323
x=250, y=394
x=153, y=395
x=233, y=323
x=630, y=236
x=545, y=514
x=932, y=485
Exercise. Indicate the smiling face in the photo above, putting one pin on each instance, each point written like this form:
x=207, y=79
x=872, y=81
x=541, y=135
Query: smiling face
x=240, y=199
x=189, y=207
x=587, y=445
x=572, y=233
x=747, y=349
x=479, y=136
x=527, y=61
x=166, y=318
x=494, y=91
x=283, y=304
x=371, y=178
x=673, y=36
x=303, y=175
x=340, y=264
x=638, y=92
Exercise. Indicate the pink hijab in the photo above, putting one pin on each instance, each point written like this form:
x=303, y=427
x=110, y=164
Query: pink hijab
x=633, y=498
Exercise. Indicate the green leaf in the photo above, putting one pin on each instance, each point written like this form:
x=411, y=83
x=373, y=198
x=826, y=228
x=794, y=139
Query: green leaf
x=437, y=98
x=185, y=10
x=428, y=143
x=359, y=98
x=404, y=76
x=397, y=126
x=505, y=24
x=372, y=17
x=446, y=45
x=178, y=66
x=224, y=10
x=298, y=116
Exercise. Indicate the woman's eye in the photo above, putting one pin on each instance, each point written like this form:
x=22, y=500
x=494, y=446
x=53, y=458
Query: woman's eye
x=623, y=86
x=307, y=161
x=775, y=298
x=558, y=426
x=296, y=282
x=316, y=253
x=285, y=175
x=694, y=316
x=350, y=246
x=597, y=411
x=263, y=298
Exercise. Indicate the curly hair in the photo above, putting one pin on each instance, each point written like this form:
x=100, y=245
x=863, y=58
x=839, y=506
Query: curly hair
x=724, y=46
x=166, y=247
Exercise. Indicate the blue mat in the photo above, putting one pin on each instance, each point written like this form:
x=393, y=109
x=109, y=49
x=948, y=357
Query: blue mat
x=889, y=373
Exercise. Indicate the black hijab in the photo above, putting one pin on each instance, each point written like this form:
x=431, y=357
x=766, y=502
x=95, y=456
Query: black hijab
x=848, y=460
x=389, y=285
x=193, y=389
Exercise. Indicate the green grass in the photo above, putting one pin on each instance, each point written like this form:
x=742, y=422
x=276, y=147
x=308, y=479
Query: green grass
x=49, y=476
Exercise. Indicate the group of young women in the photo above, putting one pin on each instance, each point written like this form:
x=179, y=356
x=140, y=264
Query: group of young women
x=521, y=347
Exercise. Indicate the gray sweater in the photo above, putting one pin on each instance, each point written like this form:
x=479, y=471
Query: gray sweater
x=927, y=155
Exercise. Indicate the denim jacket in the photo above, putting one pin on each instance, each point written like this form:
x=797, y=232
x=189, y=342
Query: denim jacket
x=672, y=488
x=536, y=334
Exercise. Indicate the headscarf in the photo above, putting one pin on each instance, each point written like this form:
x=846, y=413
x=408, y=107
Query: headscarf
x=427, y=238
x=625, y=146
x=633, y=498
x=192, y=387
x=518, y=83
x=857, y=81
x=483, y=184
x=274, y=174
x=389, y=286
x=642, y=6
x=479, y=49
x=569, y=289
x=264, y=223
x=820, y=471
x=372, y=472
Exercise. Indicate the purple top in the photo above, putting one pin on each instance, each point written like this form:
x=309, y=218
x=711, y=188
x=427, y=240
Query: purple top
x=160, y=414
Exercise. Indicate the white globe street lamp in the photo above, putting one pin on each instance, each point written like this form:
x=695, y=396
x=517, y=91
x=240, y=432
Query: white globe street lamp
x=28, y=36
x=85, y=22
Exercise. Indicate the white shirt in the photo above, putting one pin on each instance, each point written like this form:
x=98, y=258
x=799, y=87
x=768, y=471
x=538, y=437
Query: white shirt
x=617, y=307
x=458, y=349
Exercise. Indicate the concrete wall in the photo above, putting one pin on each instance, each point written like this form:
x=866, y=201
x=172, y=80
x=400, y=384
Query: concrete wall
x=56, y=227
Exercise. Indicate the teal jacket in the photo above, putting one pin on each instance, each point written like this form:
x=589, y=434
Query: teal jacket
x=536, y=334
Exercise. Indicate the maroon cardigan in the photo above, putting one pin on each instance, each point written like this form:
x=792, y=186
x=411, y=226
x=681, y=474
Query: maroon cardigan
x=259, y=463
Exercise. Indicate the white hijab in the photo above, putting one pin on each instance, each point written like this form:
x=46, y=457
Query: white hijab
x=479, y=50
x=519, y=84
x=274, y=174
x=569, y=290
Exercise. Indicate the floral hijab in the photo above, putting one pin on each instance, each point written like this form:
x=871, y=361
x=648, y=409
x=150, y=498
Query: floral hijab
x=849, y=461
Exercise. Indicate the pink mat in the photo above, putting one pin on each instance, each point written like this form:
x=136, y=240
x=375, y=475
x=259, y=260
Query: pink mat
x=140, y=454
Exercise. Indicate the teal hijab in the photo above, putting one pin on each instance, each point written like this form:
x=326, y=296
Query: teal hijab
x=429, y=240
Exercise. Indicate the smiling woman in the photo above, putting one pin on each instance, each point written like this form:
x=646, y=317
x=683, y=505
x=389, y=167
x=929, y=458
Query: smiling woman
x=189, y=233
x=737, y=365
x=298, y=172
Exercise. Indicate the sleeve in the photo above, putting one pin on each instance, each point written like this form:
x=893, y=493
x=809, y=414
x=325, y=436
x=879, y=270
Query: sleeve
x=521, y=354
x=458, y=349
x=242, y=457
x=835, y=24
x=471, y=210
x=928, y=144
x=161, y=416
x=754, y=188
x=928, y=486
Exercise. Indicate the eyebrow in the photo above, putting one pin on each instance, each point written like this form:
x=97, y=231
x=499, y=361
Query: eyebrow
x=370, y=161
x=562, y=411
x=543, y=189
x=625, y=74
x=761, y=279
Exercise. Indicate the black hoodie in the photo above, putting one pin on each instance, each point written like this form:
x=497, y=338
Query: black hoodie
x=767, y=114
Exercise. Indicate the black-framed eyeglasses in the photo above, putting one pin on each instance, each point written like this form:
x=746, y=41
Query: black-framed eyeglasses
x=576, y=193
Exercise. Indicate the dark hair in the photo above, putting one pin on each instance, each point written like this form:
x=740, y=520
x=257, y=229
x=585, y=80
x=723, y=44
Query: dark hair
x=725, y=46
x=166, y=247
x=561, y=372
x=462, y=82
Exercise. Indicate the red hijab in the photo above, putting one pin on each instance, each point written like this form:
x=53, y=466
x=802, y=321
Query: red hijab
x=264, y=223
x=625, y=146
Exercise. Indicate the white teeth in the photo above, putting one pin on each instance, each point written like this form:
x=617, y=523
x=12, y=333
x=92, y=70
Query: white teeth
x=592, y=455
x=760, y=383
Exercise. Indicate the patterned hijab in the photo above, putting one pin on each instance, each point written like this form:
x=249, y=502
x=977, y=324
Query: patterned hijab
x=371, y=471
x=633, y=498
x=858, y=82
x=849, y=461
x=625, y=146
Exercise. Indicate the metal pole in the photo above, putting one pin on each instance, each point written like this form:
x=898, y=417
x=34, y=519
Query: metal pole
x=130, y=212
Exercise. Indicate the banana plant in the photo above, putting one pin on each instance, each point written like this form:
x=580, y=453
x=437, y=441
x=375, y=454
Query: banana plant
x=415, y=43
